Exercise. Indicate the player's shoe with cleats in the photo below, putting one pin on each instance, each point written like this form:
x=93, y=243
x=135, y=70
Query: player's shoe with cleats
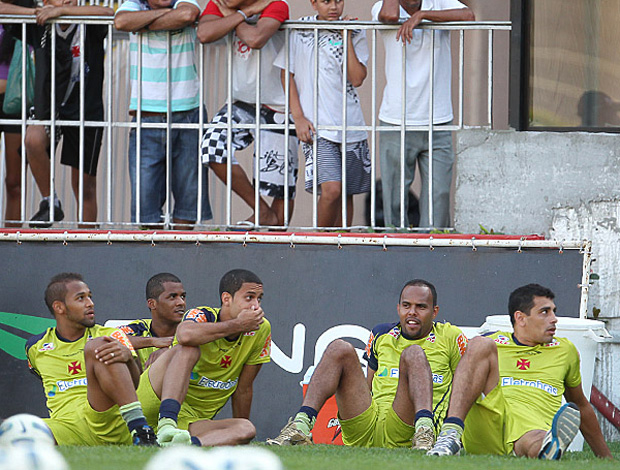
x=563, y=430
x=144, y=436
x=448, y=443
x=168, y=434
x=290, y=435
x=424, y=438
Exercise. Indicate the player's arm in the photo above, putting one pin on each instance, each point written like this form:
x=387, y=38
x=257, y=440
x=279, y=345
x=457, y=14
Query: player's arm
x=190, y=333
x=141, y=342
x=370, y=374
x=589, y=425
x=212, y=28
x=183, y=15
x=242, y=398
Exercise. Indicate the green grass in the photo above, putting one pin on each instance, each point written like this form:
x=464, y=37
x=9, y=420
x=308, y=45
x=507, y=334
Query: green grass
x=324, y=457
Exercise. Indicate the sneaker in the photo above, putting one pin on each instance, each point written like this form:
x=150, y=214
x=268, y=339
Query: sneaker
x=41, y=218
x=290, y=436
x=448, y=443
x=168, y=434
x=144, y=436
x=563, y=430
x=424, y=438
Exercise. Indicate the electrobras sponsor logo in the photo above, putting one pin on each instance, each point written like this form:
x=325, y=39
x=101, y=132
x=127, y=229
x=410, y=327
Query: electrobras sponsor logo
x=206, y=382
x=506, y=381
x=437, y=378
x=64, y=385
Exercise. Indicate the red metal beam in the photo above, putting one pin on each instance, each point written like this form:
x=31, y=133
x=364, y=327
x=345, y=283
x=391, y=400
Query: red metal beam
x=605, y=407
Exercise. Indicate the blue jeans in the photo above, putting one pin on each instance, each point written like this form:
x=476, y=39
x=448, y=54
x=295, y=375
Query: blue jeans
x=184, y=166
x=416, y=150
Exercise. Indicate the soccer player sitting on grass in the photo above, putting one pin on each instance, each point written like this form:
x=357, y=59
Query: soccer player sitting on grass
x=217, y=355
x=151, y=337
x=89, y=372
x=507, y=393
x=404, y=396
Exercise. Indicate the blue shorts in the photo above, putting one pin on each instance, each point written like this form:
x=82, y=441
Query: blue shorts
x=184, y=164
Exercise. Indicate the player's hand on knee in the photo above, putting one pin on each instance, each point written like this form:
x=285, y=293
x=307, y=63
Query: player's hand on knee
x=112, y=351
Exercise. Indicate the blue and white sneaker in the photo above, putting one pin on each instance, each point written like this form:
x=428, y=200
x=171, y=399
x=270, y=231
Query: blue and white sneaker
x=563, y=430
x=448, y=443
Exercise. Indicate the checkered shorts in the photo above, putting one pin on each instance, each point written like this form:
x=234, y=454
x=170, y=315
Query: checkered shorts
x=271, y=161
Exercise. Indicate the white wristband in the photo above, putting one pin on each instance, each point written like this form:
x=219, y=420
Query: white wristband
x=242, y=13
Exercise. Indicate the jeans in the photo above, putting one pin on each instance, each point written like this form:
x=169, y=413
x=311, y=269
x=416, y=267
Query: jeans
x=416, y=150
x=183, y=168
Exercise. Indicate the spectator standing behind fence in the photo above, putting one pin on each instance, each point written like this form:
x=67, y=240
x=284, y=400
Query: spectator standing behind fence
x=329, y=144
x=66, y=100
x=417, y=94
x=154, y=19
x=255, y=25
x=12, y=138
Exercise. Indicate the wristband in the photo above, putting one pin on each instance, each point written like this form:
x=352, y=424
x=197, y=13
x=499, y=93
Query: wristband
x=242, y=13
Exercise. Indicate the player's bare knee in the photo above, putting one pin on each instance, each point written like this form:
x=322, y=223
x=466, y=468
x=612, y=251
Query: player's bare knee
x=413, y=355
x=188, y=353
x=91, y=346
x=340, y=350
x=481, y=347
x=246, y=431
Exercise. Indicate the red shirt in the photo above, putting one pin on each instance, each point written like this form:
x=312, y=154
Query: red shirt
x=276, y=10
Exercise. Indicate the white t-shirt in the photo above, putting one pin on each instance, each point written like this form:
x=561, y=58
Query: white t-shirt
x=418, y=61
x=331, y=55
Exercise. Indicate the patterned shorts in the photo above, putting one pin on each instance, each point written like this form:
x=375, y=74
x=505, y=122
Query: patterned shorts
x=272, y=148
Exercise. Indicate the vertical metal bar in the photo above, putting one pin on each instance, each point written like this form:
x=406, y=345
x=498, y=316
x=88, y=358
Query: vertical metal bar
x=229, y=130
x=53, y=125
x=22, y=215
x=431, y=123
x=82, y=27
x=403, y=123
x=343, y=191
x=201, y=120
x=461, y=75
x=287, y=84
x=585, y=279
x=257, y=143
x=490, y=79
x=373, y=136
x=315, y=139
x=168, y=220
x=139, y=128
x=109, y=141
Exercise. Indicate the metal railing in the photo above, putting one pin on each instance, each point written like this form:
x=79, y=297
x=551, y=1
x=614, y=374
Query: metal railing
x=215, y=68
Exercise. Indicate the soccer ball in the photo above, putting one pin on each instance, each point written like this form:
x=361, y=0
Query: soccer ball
x=179, y=458
x=243, y=458
x=31, y=457
x=25, y=429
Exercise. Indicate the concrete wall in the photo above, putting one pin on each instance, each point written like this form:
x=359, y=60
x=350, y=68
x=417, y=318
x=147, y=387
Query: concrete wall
x=562, y=185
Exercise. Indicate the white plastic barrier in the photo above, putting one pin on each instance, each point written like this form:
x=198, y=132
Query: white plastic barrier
x=584, y=334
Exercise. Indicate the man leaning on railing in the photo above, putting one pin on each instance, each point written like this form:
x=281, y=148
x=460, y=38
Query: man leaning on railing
x=65, y=99
x=167, y=36
x=418, y=45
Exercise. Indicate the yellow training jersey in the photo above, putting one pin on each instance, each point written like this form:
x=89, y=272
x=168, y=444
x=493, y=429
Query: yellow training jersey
x=444, y=346
x=215, y=376
x=533, y=378
x=60, y=365
x=141, y=328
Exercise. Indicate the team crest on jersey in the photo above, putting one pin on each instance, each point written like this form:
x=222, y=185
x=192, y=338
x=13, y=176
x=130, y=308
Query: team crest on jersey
x=75, y=368
x=266, y=352
x=226, y=362
x=555, y=342
x=395, y=332
x=523, y=364
x=47, y=347
x=501, y=339
x=431, y=337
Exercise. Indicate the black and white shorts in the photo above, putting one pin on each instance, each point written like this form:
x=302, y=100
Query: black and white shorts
x=329, y=165
x=271, y=161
